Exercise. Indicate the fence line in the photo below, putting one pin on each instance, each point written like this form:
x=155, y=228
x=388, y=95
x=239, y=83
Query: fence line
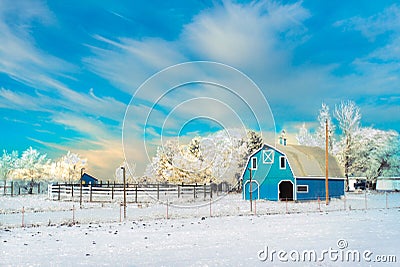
x=16, y=188
x=32, y=214
x=135, y=192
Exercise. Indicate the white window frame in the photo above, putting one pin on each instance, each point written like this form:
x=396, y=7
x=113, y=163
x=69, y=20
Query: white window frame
x=280, y=161
x=268, y=154
x=297, y=188
x=251, y=163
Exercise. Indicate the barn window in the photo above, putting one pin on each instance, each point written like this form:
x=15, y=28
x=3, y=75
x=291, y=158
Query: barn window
x=282, y=162
x=253, y=163
x=302, y=188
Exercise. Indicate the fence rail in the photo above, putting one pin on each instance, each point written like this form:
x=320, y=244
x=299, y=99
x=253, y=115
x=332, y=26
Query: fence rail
x=16, y=188
x=134, y=192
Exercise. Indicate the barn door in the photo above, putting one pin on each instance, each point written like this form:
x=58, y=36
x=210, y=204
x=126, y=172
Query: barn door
x=285, y=190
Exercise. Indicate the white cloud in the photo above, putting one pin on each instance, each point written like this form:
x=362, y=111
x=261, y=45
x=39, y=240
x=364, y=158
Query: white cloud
x=375, y=25
x=127, y=62
x=248, y=36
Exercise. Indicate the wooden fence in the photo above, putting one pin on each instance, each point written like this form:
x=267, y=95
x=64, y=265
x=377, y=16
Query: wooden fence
x=112, y=192
x=16, y=188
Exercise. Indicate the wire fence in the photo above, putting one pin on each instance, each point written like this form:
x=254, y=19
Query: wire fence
x=39, y=210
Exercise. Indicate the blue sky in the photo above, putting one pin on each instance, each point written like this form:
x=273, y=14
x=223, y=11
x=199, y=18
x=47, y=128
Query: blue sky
x=68, y=69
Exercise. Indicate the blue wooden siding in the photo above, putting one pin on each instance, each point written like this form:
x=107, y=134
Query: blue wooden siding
x=88, y=179
x=268, y=175
x=316, y=188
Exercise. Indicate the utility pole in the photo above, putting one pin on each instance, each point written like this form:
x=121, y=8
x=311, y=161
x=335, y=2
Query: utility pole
x=124, y=179
x=326, y=164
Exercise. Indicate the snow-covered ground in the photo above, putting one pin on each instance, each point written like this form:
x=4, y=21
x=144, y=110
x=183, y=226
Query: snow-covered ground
x=38, y=210
x=232, y=237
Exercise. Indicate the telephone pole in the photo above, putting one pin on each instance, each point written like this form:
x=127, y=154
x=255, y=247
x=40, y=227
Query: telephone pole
x=326, y=163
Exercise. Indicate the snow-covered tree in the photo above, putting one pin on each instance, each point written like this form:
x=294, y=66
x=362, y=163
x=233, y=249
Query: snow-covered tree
x=349, y=117
x=31, y=166
x=8, y=163
x=214, y=158
x=129, y=173
x=73, y=163
x=374, y=153
x=305, y=138
x=323, y=117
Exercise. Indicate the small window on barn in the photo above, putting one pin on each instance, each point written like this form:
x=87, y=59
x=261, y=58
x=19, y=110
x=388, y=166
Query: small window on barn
x=302, y=188
x=253, y=163
x=282, y=162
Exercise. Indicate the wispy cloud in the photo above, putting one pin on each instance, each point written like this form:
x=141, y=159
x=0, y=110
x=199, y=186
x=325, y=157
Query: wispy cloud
x=375, y=25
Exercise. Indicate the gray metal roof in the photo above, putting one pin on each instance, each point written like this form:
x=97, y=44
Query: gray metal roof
x=307, y=161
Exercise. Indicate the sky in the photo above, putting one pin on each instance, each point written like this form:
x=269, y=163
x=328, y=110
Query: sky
x=76, y=75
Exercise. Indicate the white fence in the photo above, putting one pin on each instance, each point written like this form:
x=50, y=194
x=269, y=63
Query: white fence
x=134, y=192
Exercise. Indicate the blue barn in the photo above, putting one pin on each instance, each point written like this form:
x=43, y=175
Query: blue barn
x=291, y=172
x=87, y=179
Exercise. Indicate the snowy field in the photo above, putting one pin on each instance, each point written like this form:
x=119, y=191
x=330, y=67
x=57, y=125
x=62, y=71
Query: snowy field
x=233, y=236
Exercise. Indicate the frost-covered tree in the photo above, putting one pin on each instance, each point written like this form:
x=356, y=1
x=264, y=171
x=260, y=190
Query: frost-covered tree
x=129, y=173
x=349, y=117
x=32, y=166
x=323, y=117
x=305, y=138
x=214, y=158
x=67, y=168
x=374, y=153
x=73, y=163
x=161, y=168
x=8, y=163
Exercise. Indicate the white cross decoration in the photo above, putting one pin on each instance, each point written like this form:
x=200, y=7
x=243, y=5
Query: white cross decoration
x=268, y=156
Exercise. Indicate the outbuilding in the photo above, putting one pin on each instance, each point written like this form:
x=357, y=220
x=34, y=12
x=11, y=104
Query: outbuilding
x=291, y=172
x=388, y=184
x=87, y=179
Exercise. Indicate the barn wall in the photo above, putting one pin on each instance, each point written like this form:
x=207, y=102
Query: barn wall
x=267, y=175
x=316, y=188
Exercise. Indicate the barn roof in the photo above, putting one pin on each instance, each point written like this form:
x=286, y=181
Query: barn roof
x=86, y=176
x=309, y=161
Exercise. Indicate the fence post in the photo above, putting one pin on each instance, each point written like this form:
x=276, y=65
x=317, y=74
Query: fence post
x=90, y=192
x=194, y=191
x=286, y=206
x=112, y=192
x=12, y=188
x=19, y=190
x=255, y=206
x=59, y=192
x=72, y=190
x=179, y=191
x=386, y=200
x=158, y=191
x=23, y=217
x=38, y=189
x=205, y=192
x=167, y=208
x=5, y=187
x=80, y=193
x=210, y=208
x=136, y=193
x=73, y=214
x=365, y=199
x=319, y=204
